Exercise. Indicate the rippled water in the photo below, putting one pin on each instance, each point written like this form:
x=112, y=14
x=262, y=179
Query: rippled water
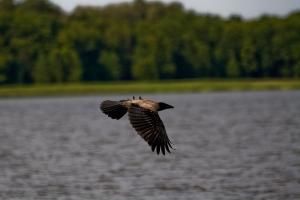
x=240, y=145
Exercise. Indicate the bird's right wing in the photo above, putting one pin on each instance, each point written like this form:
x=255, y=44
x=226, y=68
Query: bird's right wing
x=150, y=127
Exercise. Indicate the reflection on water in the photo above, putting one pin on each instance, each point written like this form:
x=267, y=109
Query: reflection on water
x=243, y=145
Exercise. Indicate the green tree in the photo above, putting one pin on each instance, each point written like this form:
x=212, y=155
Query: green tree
x=248, y=59
x=145, y=64
x=111, y=63
x=64, y=65
x=61, y=64
x=151, y=40
x=41, y=71
x=83, y=35
x=7, y=5
x=5, y=61
x=233, y=66
x=197, y=57
x=229, y=48
x=32, y=28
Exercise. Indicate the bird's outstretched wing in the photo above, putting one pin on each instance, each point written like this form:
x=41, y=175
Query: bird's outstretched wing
x=150, y=127
x=113, y=109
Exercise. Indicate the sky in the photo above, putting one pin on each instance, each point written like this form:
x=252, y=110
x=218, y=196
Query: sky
x=225, y=8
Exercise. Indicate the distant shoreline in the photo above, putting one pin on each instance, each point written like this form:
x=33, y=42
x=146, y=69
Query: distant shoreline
x=206, y=85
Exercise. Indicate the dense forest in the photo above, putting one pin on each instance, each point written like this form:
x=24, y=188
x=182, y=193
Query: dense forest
x=41, y=43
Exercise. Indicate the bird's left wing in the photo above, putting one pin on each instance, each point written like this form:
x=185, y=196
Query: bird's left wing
x=150, y=127
x=114, y=109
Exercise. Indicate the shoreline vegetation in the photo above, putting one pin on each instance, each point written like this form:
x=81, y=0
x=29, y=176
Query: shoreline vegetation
x=141, y=40
x=210, y=85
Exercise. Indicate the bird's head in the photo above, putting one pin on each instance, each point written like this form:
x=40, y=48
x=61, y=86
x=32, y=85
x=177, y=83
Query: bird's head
x=164, y=106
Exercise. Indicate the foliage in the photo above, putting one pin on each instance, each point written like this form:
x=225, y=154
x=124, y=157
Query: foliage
x=132, y=88
x=40, y=43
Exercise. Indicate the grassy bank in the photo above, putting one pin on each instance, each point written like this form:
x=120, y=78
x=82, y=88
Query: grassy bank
x=147, y=87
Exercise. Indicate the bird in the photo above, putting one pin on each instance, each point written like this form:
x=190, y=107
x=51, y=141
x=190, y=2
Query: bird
x=144, y=118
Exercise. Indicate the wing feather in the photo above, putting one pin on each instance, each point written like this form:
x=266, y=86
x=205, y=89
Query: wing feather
x=150, y=127
x=113, y=109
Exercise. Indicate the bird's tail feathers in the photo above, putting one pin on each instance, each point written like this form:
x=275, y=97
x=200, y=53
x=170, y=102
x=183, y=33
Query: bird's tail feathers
x=113, y=109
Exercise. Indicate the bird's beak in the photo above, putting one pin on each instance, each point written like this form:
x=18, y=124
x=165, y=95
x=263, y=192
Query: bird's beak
x=164, y=106
x=169, y=106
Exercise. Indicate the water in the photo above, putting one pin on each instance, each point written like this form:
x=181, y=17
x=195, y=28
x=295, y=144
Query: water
x=240, y=145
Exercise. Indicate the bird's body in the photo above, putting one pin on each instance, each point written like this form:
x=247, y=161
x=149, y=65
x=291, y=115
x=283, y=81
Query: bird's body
x=143, y=103
x=143, y=116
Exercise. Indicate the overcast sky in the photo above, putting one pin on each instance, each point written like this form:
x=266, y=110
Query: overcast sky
x=246, y=8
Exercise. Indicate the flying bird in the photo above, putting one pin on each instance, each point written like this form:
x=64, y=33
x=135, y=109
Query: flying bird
x=144, y=118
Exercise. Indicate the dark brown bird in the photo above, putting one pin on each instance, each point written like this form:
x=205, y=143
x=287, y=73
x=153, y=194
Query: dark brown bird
x=143, y=116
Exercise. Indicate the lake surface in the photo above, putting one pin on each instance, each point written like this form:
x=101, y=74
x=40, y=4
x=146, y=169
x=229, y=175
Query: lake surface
x=236, y=145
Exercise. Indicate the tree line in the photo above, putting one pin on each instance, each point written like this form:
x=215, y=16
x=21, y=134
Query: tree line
x=41, y=43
